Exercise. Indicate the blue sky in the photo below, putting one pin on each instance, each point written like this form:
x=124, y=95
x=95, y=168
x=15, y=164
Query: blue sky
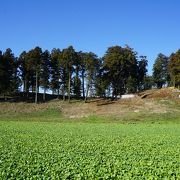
x=148, y=26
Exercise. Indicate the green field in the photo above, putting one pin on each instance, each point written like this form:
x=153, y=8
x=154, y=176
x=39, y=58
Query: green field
x=47, y=150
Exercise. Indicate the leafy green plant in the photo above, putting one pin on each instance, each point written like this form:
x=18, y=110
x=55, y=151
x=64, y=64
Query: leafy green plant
x=43, y=150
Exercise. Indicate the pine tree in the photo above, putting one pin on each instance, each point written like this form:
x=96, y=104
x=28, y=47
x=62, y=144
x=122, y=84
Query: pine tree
x=76, y=78
x=45, y=72
x=34, y=66
x=91, y=63
x=55, y=70
x=2, y=74
x=24, y=72
x=81, y=57
x=68, y=58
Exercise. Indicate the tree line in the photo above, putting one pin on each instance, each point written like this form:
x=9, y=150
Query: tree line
x=69, y=73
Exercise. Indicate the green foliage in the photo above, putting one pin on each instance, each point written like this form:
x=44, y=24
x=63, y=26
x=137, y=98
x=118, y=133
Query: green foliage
x=77, y=86
x=68, y=59
x=45, y=69
x=84, y=74
x=101, y=82
x=121, y=66
x=89, y=151
x=148, y=82
x=174, y=68
x=82, y=70
x=24, y=71
x=91, y=63
x=55, y=70
x=30, y=63
x=2, y=74
x=142, y=73
x=160, y=71
x=131, y=85
x=9, y=80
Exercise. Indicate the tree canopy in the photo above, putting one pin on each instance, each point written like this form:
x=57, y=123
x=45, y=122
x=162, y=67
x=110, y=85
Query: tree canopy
x=69, y=73
x=160, y=70
x=174, y=68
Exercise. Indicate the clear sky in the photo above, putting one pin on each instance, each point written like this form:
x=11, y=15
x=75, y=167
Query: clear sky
x=148, y=26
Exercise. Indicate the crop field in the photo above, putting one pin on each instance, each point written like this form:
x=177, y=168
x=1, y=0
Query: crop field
x=46, y=150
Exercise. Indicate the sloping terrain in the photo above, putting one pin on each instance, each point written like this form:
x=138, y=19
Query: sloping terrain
x=167, y=93
x=152, y=103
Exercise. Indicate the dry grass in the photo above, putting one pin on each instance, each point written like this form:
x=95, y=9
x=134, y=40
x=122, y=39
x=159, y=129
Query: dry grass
x=100, y=107
x=167, y=93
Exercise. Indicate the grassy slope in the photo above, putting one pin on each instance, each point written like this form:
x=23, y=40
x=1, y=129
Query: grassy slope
x=125, y=111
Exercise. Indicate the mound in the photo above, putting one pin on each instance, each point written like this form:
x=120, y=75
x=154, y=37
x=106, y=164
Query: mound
x=167, y=93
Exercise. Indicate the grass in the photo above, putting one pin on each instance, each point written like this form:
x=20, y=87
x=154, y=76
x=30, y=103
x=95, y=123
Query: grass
x=44, y=150
x=54, y=115
x=45, y=115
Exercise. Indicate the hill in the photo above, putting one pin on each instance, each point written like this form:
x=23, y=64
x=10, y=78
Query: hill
x=151, y=105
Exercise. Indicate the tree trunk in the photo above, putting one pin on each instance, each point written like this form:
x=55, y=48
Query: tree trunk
x=36, y=96
x=26, y=89
x=174, y=82
x=87, y=91
x=44, y=95
x=5, y=97
x=109, y=92
x=63, y=92
x=83, y=85
x=24, y=86
x=69, y=87
x=27, y=94
x=58, y=92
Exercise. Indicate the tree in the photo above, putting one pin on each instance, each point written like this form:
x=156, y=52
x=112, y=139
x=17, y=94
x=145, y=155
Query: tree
x=120, y=64
x=68, y=57
x=34, y=64
x=63, y=76
x=142, y=72
x=160, y=70
x=81, y=56
x=55, y=70
x=25, y=73
x=113, y=62
x=174, y=68
x=131, y=84
x=101, y=80
x=77, y=86
x=91, y=63
x=76, y=78
x=2, y=74
x=45, y=72
x=131, y=70
x=8, y=72
x=148, y=82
